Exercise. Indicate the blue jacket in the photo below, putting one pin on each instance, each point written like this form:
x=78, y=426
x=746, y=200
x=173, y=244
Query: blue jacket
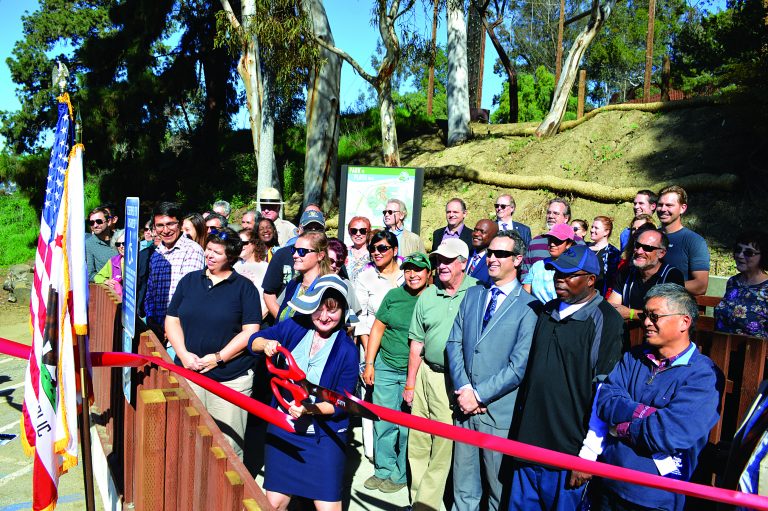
x=340, y=372
x=686, y=396
x=480, y=272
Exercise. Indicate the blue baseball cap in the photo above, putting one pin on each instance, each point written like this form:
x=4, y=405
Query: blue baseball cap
x=575, y=258
x=312, y=217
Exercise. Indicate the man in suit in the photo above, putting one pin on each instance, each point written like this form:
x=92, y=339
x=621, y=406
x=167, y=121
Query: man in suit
x=455, y=213
x=505, y=208
x=487, y=352
x=477, y=266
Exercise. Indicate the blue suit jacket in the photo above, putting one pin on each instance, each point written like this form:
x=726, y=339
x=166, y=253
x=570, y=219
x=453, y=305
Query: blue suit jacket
x=481, y=270
x=523, y=230
x=493, y=361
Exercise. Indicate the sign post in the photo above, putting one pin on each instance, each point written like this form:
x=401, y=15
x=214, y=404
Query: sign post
x=129, y=283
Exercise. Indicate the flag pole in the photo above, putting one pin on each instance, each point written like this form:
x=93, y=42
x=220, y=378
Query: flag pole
x=85, y=409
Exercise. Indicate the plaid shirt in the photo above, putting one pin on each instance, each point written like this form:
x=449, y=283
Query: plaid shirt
x=166, y=267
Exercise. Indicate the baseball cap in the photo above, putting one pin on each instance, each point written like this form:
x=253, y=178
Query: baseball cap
x=418, y=260
x=312, y=217
x=562, y=232
x=575, y=258
x=452, y=248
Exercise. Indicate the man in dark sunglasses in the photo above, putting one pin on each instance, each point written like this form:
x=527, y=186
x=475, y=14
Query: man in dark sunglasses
x=577, y=342
x=394, y=214
x=505, y=207
x=97, y=246
x=647, y=270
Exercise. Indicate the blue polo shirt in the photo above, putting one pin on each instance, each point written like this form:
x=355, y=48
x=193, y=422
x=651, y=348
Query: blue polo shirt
x=211, y=315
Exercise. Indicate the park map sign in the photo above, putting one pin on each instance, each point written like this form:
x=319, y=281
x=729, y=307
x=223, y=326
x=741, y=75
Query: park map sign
x=365, y=191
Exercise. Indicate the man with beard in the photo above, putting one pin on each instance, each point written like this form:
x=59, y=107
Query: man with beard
x=577, y=342
x=482, y=234
x=647, y=270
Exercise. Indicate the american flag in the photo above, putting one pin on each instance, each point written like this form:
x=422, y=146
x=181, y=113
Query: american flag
x=57, y=309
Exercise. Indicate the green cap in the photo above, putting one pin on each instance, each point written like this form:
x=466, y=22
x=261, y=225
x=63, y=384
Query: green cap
x=418, y=260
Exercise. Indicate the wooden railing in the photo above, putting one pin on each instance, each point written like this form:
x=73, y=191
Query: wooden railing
x=164, y=450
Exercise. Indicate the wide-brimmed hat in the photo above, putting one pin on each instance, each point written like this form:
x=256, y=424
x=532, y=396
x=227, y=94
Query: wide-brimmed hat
x=575, y=258
x=418, y=260
x=310, y=301
x=452, y=248
x=270, y=195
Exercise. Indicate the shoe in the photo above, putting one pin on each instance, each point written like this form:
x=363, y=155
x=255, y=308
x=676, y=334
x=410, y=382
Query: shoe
x=389, y=486
x=374, y=483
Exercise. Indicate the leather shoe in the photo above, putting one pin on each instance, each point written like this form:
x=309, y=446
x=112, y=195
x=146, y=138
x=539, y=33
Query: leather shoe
x=374, y=483
x=389, y=486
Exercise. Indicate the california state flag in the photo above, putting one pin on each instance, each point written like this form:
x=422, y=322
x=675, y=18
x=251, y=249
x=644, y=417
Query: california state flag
x=58, y=313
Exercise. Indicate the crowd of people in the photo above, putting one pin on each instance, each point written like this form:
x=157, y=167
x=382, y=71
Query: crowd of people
x=496, y=331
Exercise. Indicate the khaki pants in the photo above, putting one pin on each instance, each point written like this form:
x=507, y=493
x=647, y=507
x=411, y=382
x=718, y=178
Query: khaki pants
x=429, y=456
x=230, y=418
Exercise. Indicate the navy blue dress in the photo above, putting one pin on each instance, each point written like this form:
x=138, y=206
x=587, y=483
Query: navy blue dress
x=311, y=465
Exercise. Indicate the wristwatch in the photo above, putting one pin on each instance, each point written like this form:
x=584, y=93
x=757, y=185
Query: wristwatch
x=219, y=360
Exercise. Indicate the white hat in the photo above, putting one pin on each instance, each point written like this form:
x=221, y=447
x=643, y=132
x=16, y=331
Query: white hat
x=270, y=195
x=452, y=248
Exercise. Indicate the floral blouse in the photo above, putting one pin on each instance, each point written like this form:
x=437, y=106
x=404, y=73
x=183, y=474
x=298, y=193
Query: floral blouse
x=743, y=309
x=357, y=263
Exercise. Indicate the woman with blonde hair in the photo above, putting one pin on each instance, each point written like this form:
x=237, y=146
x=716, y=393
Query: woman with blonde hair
x=310, y=260
x=607, y=254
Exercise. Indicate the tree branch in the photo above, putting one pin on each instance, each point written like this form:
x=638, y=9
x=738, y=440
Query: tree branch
x=406, y=9
x=230, y=14
x=352, y=62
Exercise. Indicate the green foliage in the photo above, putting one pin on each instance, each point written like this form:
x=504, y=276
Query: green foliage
x=415, y=102
x=18, y=230
x=534, y=97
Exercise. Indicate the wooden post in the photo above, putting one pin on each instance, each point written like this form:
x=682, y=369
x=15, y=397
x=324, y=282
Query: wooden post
x=649, y=51
x=203, y=441
x=582, y=92
x=431, y=83
x=150, y=450
x=559, y=54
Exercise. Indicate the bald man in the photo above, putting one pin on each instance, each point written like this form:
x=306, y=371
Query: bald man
x=482, y=235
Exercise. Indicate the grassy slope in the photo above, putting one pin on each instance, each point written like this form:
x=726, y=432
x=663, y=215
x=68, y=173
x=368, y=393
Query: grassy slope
x=632, y=148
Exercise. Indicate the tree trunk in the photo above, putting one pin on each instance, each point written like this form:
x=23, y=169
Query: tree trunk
x=559, y=52
x=267, y=167
x=389, y=148
x=322, y=117
x=433, y=53
x=458, y=86
x=665, y=74
x=475, y=47
x=649, y=51
x=509, y=67
x=551, y=122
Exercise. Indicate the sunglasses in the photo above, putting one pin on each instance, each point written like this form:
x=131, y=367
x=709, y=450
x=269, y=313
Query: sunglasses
x=378, y=248
x=555, y=241
x=576, y=228
x=354, y=232
x=655, y=317
x=335, y=262
x=568, y=276
x=119, y=244
x=302, y=251
x=747, y=252
x=389, y=212
x=646, y=248
x=499, y=254
x=98, y=221
x=501, y=206
x=219, y=234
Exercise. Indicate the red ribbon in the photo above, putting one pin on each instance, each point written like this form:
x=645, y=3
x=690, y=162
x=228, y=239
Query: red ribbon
x=565, y=461
x=483, y=440
x=119, y=359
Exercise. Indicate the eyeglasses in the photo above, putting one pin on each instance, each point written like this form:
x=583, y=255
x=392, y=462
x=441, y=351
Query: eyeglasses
x=378, y=248
x=646, y=248
x=354, y=232
x=568, y=276
x=390, y=211
x=501, y=206
x=212, y=231
x=499, y=254
x=302, y=251
x=169, y=226
x=98, y=221
x=655, y=317
x=747, y=252
x=119, y=244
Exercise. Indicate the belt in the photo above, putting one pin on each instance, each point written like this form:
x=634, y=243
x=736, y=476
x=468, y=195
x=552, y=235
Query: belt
x=435, y=367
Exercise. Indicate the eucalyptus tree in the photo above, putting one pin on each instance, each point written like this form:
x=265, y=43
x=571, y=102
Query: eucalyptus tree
x=458, y=76
x=387, y=14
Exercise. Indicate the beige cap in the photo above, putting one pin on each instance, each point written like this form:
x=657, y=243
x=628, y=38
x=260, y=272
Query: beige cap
x=452, y=248
x=270, y=195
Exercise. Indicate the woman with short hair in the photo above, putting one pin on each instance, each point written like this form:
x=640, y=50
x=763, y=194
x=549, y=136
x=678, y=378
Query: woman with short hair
x=212, y=314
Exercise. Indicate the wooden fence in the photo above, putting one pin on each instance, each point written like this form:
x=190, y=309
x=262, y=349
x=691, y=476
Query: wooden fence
x=164, y=451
